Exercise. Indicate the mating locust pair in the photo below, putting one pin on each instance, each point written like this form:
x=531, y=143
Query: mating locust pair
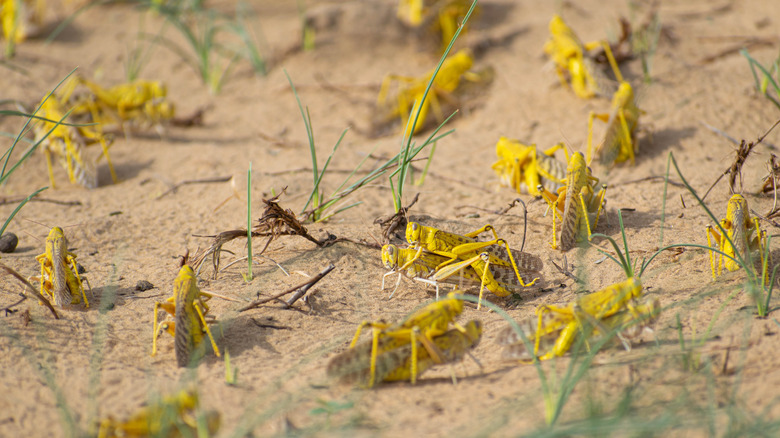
x=555, y=329
x=406, y=349
x=435, y=256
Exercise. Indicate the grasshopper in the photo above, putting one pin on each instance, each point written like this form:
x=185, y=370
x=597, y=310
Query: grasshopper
x=743, y=231
x=422, y=325
x=558, y=336
x=411, y=12
x=524, y=168
x=174, y=415
x=562, y=324
x=21, y=19
x=410, y=91
x=189, y=309
x=572, y=61
x=140, y=101
x=445, y=14
x=455, y=246
x=60, y=279
x=353, y=366
x=499, y=279
x=466, y=251
x=69, y=143
x=620, y=141
x=594, y=306
x=576, y=205
x=454, y=344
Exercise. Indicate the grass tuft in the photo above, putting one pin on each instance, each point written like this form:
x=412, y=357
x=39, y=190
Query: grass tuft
x=408, y=149
x=765, y=77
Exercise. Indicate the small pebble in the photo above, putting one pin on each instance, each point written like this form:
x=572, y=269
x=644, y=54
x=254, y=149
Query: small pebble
x=80, y=269
x=143, y=285
x=8, y=242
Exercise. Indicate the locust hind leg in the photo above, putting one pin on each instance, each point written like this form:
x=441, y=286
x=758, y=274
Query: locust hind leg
x=481, y=230
x=47, y=153
x=208, y=331
x=104, y=146
x=601, y=196
x=77, y=283
x=514, y=264
x=713, y=234
x=374, y=353
x=485, y=273
x=626, y=145
x=155, y=329
x=563, y=342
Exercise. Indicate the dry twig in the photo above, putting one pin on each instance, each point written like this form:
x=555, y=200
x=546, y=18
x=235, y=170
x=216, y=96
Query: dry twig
x=34, y=292
x=395, y=221
x=741, y=154
x=176, y=186
x=308, y=284
x=16, y=200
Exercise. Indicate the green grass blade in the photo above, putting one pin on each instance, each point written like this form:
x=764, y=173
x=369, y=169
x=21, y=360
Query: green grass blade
x=323, y=219
x=3, y=174
x=19, y=207
x=623, y=263
x=314, y=196
x=421, y=181
x=406, y=149
x=318, y=207
x=628, y=267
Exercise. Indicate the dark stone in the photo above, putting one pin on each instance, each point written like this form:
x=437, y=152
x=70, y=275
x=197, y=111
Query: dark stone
x=143, y=285
x=8, y=242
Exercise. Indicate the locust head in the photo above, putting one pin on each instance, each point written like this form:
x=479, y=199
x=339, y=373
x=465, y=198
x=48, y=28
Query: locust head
x=473, y=331
x=390, y=256
x=413, y=231
x=735, y=211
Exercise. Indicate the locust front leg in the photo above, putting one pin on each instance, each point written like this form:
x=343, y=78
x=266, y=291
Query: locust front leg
x=397, y=282
x=43, y=259
x=552, y=205
x=170, y=308
x=761, y=243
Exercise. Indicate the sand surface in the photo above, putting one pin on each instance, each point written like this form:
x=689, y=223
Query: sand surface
x=61, y=375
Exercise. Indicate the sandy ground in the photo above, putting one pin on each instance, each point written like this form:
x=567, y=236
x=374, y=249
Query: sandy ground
x=61, y=374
